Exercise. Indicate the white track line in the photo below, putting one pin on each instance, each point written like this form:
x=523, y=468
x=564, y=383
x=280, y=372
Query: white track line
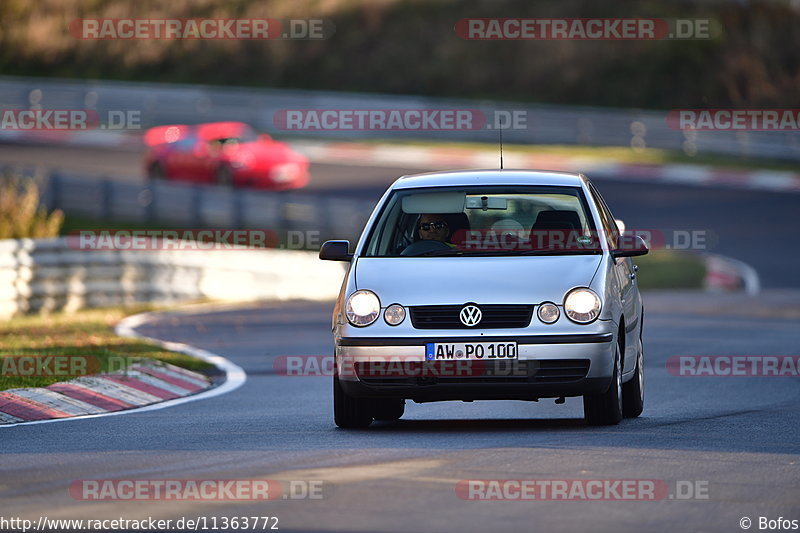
x=235, y=376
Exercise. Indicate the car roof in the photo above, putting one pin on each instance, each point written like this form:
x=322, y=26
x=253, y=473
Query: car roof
x=489, y=177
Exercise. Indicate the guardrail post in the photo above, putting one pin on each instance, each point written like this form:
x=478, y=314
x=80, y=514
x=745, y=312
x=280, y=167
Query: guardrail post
x=237, y=206
x=282, y=222
x=151, y=207
x=197, y=206
x=107, y=191
x=54, y=191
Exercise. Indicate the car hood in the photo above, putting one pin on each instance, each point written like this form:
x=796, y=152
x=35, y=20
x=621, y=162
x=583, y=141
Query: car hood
x=487, y=280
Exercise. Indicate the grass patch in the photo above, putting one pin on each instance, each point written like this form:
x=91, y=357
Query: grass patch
x=21, y=215
x=669, y=269
x=86, y=333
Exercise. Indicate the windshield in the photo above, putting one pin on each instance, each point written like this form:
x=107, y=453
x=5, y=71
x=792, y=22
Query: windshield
x=488, y=220
x=243, y=134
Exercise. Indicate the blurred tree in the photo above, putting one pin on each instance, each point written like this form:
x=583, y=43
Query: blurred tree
x=21, y=215
x=410, y=47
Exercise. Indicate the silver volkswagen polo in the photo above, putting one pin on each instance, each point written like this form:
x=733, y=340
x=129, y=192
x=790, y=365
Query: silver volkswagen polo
x=488, y=285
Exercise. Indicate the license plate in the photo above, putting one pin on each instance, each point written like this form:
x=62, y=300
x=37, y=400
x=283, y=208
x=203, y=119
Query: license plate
x=443, y=351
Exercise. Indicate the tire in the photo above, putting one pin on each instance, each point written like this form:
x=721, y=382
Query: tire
x=605, y=409
x=224, y=176
x=633, y=390
x=388, y=408
x=349, y=412
x=155, y=172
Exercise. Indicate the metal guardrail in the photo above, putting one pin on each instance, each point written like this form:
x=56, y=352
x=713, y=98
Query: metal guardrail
x=186, y=205
x=546, y=124
x=48, y=275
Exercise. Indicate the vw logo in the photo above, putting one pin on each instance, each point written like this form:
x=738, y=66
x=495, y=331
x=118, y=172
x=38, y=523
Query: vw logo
x=470, y=315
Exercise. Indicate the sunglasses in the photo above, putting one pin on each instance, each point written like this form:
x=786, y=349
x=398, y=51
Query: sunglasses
x=428, y=226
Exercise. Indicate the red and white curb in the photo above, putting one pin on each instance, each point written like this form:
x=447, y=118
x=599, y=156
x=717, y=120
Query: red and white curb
x=144, y=383
x=457, y=157
x=144, y=386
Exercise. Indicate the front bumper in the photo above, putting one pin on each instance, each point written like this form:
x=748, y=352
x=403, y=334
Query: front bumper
x=547, y=366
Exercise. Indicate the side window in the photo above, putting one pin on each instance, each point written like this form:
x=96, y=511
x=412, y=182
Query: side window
x=610, y=227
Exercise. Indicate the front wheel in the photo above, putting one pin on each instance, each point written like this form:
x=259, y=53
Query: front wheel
x=605, y=409
x=349, y=411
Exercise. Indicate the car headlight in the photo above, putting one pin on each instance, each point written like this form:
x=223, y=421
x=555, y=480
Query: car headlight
x=362, y=308
x=582, y=305
x=548, y=312
x=394, y=314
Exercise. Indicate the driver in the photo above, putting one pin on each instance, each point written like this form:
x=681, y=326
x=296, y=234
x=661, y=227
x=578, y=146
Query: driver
x=433, y=227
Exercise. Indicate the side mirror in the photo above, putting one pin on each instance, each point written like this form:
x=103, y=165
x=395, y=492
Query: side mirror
x=630, y=246
x=620, y=225
x=335, y=251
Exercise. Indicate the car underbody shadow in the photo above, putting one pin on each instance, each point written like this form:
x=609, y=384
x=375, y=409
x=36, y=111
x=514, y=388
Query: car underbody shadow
x=479, y=425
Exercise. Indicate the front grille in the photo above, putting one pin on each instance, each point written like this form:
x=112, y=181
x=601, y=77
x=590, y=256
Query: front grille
x=494, y=316
x=473, y=372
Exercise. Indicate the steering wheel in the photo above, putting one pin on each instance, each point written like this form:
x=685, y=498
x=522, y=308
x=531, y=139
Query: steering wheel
x=424, y=246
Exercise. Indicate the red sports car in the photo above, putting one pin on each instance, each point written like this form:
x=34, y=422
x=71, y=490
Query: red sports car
x=227, y=153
